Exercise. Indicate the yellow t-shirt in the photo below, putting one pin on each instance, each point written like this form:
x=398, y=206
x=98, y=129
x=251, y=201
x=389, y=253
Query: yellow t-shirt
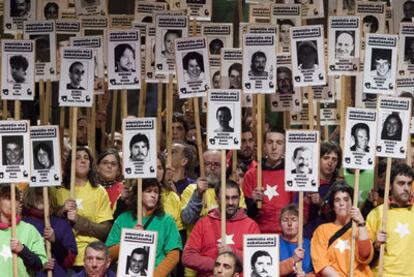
x=92, y=203
x=172, y=206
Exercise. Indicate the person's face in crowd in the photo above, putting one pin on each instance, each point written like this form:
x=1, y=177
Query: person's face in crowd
x=401, y=189
x=391, y=127
x=274, y=147
x=82, y=132
x=232, y=202
x=82, y=164
x=127, y=60
x=194, y=69
x=137, y=263
x=150, y=197
x=76, y=75
x=302, y=161
x=43, y=158
x=22, y=7
x=328, y=164
x=262, y=266
x=5, y=208
x=51, y=13
x=108, y=168
x=307, y=56
x=223, y=118
x=290, y=224
x=284, y=82
x=39, y=203
x=212, y=164
x=18, y=74
x=177, y=156
x=409, y=10
x=14, y=153
x=235, y=79
x=139, y=151
x=342, y=204
x=178, y=131
x=224, y=267
x=216, y=81
x=344, y=46
x=160, y=171
x=96, y=263
x=382, y=66
x=169, y=42
x=247, y=145
x=259, y=64
x=361, y=138
x=285, y=34
x=191, y=135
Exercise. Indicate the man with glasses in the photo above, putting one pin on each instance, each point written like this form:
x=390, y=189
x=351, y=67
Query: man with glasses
x=76, y=72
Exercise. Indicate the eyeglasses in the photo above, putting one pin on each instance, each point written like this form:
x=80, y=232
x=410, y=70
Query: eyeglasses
x=211, y=164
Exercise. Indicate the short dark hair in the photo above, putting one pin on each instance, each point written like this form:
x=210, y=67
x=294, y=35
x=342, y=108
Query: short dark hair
x=67, y=168
x=98, y=246
x=400, y=169
x=283, y=69
x=45, y=148
x=19, y=62
x=374, y=22
x=339, y=186
x=300, y=148
x=140, y=251
x=175, y=32
x=224, y=109
x=190, y=154
x=72, y=66
x=111, y=151
x=193, y=56
x=358, y=126
x=329, y=147
x=234, y=66
x=132, y=197
x=257, y=254
x=120, y=49
x=177, y=117
x=5, y=192
x=258, y=54
x=229, y=184
x=285, y=22
x=238, y=266
x=274, y=130
x=138, y=138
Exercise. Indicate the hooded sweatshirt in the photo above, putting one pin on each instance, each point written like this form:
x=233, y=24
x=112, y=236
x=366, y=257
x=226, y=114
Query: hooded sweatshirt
x=201, y=249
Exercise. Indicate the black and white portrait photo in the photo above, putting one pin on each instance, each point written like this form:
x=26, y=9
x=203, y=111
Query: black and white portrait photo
x=167, y=51
x=215, y=46
x=307, y=54
x=284, y=33
x=392, y=127
x=124, y=58
x=18, y=69
x=137, y=263
x=369, y=25
x=20, y=8
x=344, y=44
x=51, y=10
x=302, y=160
x=43, y=154
x=381, y=62
x=193, y=66
x=216, y=80
x=42, y=48
x=258, y=65
x=234, y=76
x=409, y=50
x=139, y=148
x=13, y=152
x=260, y=258
x=76, y=75
x=360, y=134
x=261, y=263
x=284, y=80
x=223, y=116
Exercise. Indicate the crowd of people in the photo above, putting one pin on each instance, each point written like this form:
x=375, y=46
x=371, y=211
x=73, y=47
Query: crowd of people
x=184, y=209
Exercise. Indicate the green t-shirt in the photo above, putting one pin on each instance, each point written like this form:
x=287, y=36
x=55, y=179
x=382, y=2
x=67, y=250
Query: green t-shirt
x=366, y=181
x=168, y=235
x=27, y=235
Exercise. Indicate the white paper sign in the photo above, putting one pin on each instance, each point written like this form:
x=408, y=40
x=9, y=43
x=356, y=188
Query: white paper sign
x=261, y=251
x=285, y=16
x=45, y=155
x=15, y=146
x=302, y=160
x=18, y=70
x=139, y=147
x=393, y=125
x=199, y=10
x=15, y=15
x=360, y=138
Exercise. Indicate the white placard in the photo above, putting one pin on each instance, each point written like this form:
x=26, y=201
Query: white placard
x=285, y=16
x=259, y=63
x=144, y=10
x=76, y=78
x=360, y=138
x=224, y=119
x=15, y=146
x=219, y=36
x=168, y=29
x=137, y=253
x=139, y=148
x=302, y=160
x=311, y=9
x=373, y=17
x=344, y=45
x=15, y=15
x=261, y=251
x=308, y=61
x=124, y=59
x=18, y=70
x=150, y=75
x=406, y=50
x=65, y=29
x=45, y=155
x=393, y=124
x=199, y=10
x=302, y=117
x=96, y=26
x=44, y=36
x=380, y=64
x=259, y=13
x=193, y=72
x=91, y=7
x=50, y=9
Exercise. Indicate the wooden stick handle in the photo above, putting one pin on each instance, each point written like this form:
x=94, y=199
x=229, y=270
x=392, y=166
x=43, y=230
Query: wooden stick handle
x=142, y=99
x=259, y=144
x=124, y=103
x=169, y=104
x=354, y=227
x=159, y=111
x=223, y=197
x=199, y=138
x=47, y=225
x=139, y=201
x=73, y=156
x=114, y=110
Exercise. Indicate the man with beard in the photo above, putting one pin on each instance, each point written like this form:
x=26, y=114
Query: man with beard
x=246, y=152
x=398, y=236
x=261, y=263
x=227, y=265
x=272, y=195
x=302, y=158
x=192, y=196
x=204, y=243
x=284, y=80
x=258, y=65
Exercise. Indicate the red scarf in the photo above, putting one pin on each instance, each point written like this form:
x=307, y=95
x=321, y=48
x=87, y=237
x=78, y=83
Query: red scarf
x=4, y=226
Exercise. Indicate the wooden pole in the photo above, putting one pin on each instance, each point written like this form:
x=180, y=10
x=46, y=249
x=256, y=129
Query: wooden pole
x=342, y=111
x=223, y=197
x=92, y=132
x=259, y=138
x=169, y=104
x=139, y=201
x=5, y=112
x=114, y=111
x=142, y=99
x=286, y=120
x=42, y=99
x=124, y=103
x=61, y=129
x=385, y=214
x=234, y=164
x=199, y=138
x=354, y=226
x=74, y=130
x=48, y=100
x=159, y=111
